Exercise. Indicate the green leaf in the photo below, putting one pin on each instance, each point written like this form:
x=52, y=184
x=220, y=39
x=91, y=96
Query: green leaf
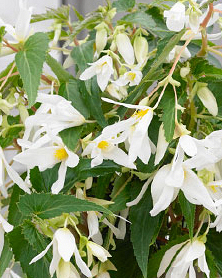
x=61, y=14
x=211, y=264
x=123, y=5
x=140, y=18
x=6, y=256
x=83, y=54
x=168, y=105
x=58, y=69
x=24, y=253
x=2, y=33
x=102, y=185
x=71, y=136
x=143, y=228
x=30, y=61
x=214, y=244
x=122, y=198
x=188, y=211
x=144, y=84
x=156, y=258
x=124, y=260
x=92, y=99
x=70, y=91
x=45, y=205
x=15, y=217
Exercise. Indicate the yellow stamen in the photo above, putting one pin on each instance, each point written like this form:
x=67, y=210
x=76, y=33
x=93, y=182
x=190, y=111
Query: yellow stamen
x=60, y=154
x=213, y=188
x=103, y=145
x=140, y=113
x=131, y=76
x=103, y=64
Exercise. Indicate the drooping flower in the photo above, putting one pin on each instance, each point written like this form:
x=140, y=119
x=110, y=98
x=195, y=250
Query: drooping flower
x=208, y=99
x=118, y=92
x=175, y=17
x=140, y=46
x=96, y=250
x=102, y=68
x=104, y=148
x=64, y=246
x=132, y=78
x=175, y=176
x=55, y=114
x=93, y=226
x=47, y=157
x=133, y=131
x=190, y=251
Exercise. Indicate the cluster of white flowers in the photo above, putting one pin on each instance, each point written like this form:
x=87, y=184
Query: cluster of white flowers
x=114, y=75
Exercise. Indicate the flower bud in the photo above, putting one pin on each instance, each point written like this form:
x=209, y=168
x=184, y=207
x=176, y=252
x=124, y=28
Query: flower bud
x=185, y=70
x=208, y=100
x=101, y=37
x=117, y=91
x=141, y=49
x=125, y=48
x=23, y=112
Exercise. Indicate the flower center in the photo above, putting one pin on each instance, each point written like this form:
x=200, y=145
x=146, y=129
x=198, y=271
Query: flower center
x=213, y=188
x=103, y=145
x=131, y=76
x=60, y=154
x=140, y=113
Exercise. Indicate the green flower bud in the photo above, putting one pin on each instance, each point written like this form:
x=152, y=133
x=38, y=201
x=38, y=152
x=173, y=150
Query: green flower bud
x=101, y=39
x=141, y=49
x=23, y=112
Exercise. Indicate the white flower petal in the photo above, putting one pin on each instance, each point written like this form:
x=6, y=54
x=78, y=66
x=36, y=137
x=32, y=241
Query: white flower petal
x=196, y=249
x=6, y=226
x=88, y=73
x=72, y=160
x=125, y=48
x=140, y=196
x=42, y=157
x=42, y=254
x=208, y=100
x=167, y=258
x=66, y=243
x=202, y=264
x=93, y=223
x=81, y=264
x=192, y=273
x=63, y=269
x=23, y=21
x=192, y=187
x=55, y=258
x=188, y=145
x=142, y=107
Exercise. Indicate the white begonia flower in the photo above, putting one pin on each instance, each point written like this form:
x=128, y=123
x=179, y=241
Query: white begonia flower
x=93, y=227
x=175, y=17
x=64, y=246
x=175, y=176
x=21, y=31
x=55, y=114
x=132, y=78
x=13, y=175
x=134, y=131
x=118, y=92
x=183, y=262
x=125, y=48
x=175, y=52
x=47, y=157
x=208, y=100
x=102, y=68
x=101, y=270
x=98, y=251
x=5, y=227
x=104, y=148
x=209, y=152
